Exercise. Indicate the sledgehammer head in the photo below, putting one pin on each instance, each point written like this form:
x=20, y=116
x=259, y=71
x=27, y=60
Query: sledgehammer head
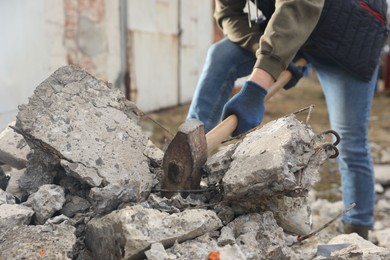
x=183, y=160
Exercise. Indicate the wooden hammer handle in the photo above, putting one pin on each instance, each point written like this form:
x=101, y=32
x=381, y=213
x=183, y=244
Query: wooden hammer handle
x=224, y=129
x=283, y=78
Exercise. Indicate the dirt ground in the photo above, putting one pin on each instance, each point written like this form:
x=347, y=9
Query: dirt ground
x=307, y=92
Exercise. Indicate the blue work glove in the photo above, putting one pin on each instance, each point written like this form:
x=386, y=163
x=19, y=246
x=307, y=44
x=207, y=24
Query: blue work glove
x=248, y=106
x=297, y=73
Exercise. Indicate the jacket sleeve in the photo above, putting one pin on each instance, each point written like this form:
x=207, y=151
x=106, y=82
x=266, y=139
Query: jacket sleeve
x=287, y=30
x=230, y=17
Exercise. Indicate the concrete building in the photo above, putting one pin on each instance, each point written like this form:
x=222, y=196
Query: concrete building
x=153, y=50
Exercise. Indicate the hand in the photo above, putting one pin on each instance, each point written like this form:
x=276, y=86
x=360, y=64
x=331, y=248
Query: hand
x=297, y=73
x=248, y=106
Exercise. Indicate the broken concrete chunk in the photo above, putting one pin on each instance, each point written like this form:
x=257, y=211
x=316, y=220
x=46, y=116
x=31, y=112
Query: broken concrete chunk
x=226, y=237
x=218, y=164
x=13, y=148
x=46, y=201
x=6, y=198
x=85, y=174
x=156, y=252
x=108, y=198
x=35, y=242
x=382, y=174
x=128, y=232
x=13, y=184
x=231, y=252
x=154, y=154
x=259, y=236
x=73, y=205
x=293, y=214
x=12, y=215
x=90, y=128
x=4, y=179
x=198, y=248
x=358, y=247
x=383, y=237
x=276, y=158
x=41, y=169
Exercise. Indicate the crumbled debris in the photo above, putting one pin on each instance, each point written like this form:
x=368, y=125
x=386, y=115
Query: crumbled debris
x=90, y=188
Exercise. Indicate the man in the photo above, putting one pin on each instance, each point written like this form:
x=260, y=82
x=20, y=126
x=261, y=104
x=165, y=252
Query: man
x=342, y=40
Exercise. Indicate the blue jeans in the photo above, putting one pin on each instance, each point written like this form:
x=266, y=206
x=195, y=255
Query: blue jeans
x=349, y=104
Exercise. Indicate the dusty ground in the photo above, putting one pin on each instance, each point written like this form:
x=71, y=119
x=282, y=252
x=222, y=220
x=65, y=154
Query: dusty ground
x=307, y=92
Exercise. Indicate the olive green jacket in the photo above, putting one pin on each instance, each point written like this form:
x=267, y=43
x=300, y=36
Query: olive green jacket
x=287, y=30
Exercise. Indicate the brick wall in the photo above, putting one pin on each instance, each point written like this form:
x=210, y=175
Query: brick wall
x=76, y=40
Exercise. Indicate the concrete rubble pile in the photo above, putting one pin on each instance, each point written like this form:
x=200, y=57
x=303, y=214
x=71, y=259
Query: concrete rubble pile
x=84, y=184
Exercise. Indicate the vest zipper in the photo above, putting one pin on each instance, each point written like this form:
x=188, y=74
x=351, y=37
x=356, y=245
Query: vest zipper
x=377, y=15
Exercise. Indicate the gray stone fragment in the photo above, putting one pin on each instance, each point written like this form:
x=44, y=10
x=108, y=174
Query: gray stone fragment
x=196, y=249
x=46, y=201
x=108, y=198
x=386, y=155
x=91, y=129
x=58, y=220
x=156, y=252
x=383, y=237
x=270, y=160
x=382, y=175
x=128, y=232
x=12, y=215
x=73, y=205
x=379, y=188
x=85, y=254
x=231, y=252
x=6, y=198
x=383, y=205
x=154, y=154
x=175, y=204
x=74, y=187
x=327, y=250
x=36, y=242
x=359, y=248
x=4, y=179
x=13, y=184
x=225, y=213
x=387, y=194
x=85, y=174
x=259, y=237
x=219, y=163
x=226, y=237
x=292, y=214
x=41, y=169
x=13, y=148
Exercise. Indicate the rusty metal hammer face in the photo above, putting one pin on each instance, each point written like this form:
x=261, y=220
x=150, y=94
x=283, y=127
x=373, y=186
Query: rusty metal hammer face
x=183, y=160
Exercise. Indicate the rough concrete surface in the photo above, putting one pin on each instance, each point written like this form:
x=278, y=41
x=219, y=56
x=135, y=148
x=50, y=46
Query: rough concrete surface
x=128, y=232
x=38, y=242
x=13, y=148
x=92, y=131
x=92, y=178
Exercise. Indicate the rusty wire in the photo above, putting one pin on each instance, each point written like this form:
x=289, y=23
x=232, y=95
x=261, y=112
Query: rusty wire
x=144, y=115
x=310, y=108
x=343, y=212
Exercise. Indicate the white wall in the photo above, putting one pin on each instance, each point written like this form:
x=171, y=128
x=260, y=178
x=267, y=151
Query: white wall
x=164, y=68
x=30, y=49
x=196, y=22
x=168, y=41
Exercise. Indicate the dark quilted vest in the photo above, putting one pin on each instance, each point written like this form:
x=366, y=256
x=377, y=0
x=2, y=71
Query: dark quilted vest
x=353, y=32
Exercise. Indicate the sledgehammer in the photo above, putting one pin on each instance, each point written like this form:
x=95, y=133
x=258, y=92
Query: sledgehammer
x=187, y=153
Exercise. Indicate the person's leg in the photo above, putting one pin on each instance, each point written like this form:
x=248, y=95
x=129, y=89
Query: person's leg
x=349, y=105
x=225, y=62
